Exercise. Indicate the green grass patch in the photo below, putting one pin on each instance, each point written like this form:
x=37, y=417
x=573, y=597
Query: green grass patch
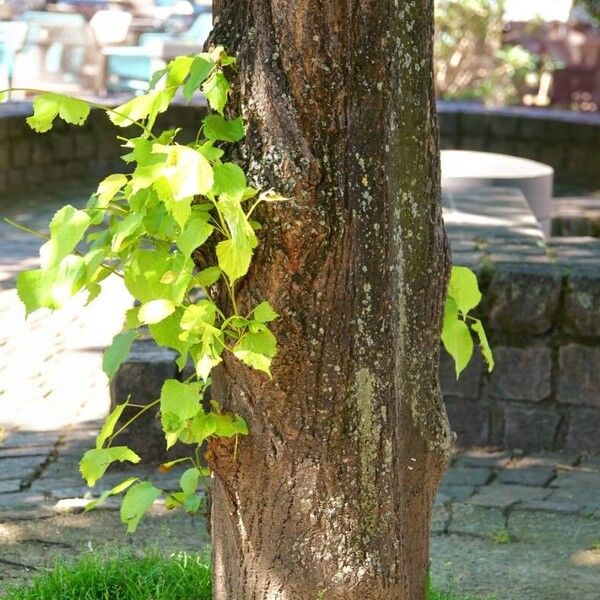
x=128, y=577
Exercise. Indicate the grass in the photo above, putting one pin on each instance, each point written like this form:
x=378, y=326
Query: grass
x=127, y=577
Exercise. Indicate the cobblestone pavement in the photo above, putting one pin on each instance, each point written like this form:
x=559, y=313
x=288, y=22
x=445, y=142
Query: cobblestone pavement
x=506, y=525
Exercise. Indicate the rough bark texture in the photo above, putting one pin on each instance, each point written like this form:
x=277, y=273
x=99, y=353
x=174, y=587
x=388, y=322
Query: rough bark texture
x=330, y=496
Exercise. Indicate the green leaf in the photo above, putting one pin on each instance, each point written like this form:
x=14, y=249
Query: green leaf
x=208, y=276
x=189, y=480
x=136, y=502
x=199, y=71
x=51, y=288
x=216, y=89
x=463, y=289
x=117, y=352
x=140, y=108
x=178, y=70
x=67, y=229
x=230, y=180
x=218, y=128
x=229, y=425
x=130, y=226
x=234, y=255
x=486, y=351
x=257, y=350
x=46, y=107
x=195, y=233
x=95, y=462
x=456, y=337
x=264, y=312
x=146, y=268
x=110, y=423
x=156, y=310
x=121, y=487
x=109, y=188
x=186, y=170
x=197, y=316
x=180, y=401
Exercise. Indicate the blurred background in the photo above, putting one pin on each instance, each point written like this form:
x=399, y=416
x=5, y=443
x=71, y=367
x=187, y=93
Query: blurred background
x=543, y=53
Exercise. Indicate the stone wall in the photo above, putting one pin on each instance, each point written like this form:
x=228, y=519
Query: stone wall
x=541, y=309
x=566, y=141
x=30, y=160
x=544, y=324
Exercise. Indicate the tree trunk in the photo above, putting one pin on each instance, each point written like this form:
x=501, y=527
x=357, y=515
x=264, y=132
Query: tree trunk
x=330, y=495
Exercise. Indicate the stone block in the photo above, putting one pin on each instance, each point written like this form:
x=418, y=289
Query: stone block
x=530, y=428
x=523, y=299
x=504, y=126
x=457, y=493
x=475, y=520
x=141, y=376
x=551, y=505
x=482, y=458
x=60, y=146
x=4, y=157
x=20, y=153
x=40, y=155
x=582, y=304
x=588, y=499
x=467, y=385
x=466, y=476
x=535, y=476
x=503, y=496
x=578, y=479
x=579, y=375
x=470, y=421
x=85, y=146
x=521, y=373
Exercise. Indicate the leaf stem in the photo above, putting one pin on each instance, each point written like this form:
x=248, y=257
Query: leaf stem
x=128, y=423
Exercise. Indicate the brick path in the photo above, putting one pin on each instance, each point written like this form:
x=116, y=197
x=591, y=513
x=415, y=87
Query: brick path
x=512, y=525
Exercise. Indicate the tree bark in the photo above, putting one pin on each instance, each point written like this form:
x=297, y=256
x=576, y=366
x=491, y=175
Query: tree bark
x=330, y=495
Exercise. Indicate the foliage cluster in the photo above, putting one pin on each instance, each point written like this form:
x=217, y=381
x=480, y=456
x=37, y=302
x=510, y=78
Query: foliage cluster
x=177, y=227
x=471, y=62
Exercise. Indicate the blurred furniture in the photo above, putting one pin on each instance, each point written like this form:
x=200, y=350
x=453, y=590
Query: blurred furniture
x=12, y=38
x=130, y=68
x=464, y=170
x=56, y=51
x=63, y=51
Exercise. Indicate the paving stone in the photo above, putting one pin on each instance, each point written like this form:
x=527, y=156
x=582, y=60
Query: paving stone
x=504, y=496
x=10, y=485
x=546, y=459
x=19, y=467
x=30, y=439
x=482, y=458
x=471, y=476
x=476, y=520
x=551, y=504
x=21, y=499
x=521, y=373
x=523, y=299
x=458, y=493
x=439, y=518
x=26, y=451
x=536, y=476
x=529, y=427
x=579, y=376
x=578, y=479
